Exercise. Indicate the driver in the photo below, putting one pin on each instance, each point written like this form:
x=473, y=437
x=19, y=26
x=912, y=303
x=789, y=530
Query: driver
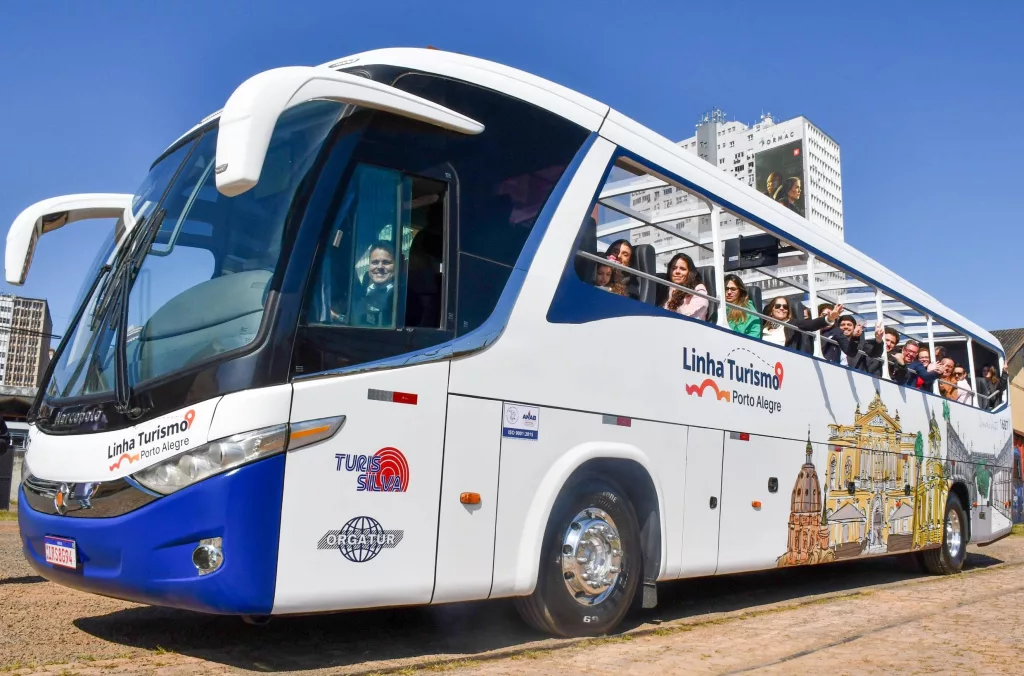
x=374, y=308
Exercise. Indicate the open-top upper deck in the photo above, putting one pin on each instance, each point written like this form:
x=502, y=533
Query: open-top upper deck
x=680, y=168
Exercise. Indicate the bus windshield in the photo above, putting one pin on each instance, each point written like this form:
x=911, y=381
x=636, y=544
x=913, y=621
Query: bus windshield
x=202, y=287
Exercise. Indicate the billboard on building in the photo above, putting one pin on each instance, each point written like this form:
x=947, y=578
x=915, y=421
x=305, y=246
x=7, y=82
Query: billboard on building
x=779, y=173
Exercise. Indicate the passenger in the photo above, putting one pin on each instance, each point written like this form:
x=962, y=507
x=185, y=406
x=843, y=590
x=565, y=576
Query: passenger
x=860, y=353
x=947, y=384
x=965, y=393
x=621, y=251
x=778, y=309
x=850, y=337
x=682, y=271
x=869, y=359
x=835, y=342
x=940, y=353
x=992, y=385
x=905, y=369
x=746, y=323
x=604, y=279
x=374, y=307
x=924, y=356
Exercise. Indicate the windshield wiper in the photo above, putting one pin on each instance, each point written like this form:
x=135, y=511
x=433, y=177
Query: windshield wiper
x=109, y=289
x=128, y=271
x=62, y=345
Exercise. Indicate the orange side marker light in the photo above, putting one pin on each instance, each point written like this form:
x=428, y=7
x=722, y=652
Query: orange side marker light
x=299, y=434
x=470, y=498
x=756, y=504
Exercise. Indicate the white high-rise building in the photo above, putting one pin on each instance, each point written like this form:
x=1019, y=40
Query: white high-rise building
x=793, y=159
x=25, y=328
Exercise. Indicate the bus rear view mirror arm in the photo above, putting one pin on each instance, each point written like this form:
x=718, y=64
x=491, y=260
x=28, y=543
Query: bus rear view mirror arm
x=49, y=215
x=252, y=111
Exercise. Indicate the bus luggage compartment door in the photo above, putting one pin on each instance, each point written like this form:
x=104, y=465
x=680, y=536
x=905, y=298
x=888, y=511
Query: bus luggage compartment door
x=762, y=476
x=701, y=501
x=360, y=512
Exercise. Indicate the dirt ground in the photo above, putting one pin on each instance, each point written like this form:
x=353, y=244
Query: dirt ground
x=880, y=616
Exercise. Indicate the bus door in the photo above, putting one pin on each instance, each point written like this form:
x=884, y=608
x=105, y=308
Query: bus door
x=701, y=501
x=360, y=510
x=359, y=525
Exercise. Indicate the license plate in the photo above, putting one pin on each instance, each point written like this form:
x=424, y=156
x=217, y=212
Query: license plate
x=61, y=552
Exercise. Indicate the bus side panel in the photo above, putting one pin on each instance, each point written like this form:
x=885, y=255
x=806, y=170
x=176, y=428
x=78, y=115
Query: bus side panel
x=465, y=537
x=359, y=515
x=534, y=471
x=702, y=495
x=755, y=519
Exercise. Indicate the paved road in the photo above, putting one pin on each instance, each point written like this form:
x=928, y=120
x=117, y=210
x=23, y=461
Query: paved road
x=847, y=618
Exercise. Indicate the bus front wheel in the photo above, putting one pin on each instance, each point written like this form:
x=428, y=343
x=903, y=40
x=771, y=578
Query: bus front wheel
x=590, y=562
x=949, y=558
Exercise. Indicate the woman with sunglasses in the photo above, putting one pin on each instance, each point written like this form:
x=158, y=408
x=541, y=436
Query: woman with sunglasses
x=746, y=323
x=779, y=310
x=964, y=391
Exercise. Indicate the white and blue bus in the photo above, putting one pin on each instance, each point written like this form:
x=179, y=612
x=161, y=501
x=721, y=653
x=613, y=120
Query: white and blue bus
x=369, y=337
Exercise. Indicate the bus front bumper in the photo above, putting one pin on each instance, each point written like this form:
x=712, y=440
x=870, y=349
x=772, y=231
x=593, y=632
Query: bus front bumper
x=146, y=555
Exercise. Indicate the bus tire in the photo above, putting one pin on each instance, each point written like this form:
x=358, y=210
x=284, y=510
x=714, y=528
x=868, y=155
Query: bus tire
x=591, y=520
x=949, y=558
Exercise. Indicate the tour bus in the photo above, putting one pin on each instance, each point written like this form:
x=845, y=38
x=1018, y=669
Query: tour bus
x=399, y=329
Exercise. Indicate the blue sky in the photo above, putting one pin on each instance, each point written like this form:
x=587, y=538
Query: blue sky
x=922, y=100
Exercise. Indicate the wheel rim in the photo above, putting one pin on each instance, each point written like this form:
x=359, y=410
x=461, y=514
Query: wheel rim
x=953, y=536
x=591, y=556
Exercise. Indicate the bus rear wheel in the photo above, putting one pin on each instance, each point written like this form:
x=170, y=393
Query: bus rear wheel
x=590, y=562
x=949, y=558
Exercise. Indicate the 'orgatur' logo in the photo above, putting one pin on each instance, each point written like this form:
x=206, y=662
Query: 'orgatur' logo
x=123, y=450
x=361, y=539
x=731, y=369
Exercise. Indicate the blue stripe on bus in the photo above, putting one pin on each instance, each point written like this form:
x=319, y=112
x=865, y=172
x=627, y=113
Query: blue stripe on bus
x=146, y=555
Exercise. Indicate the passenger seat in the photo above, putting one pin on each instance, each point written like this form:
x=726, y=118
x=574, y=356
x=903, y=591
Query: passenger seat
x=707, y=276
x=755, y=297
x=644, y=260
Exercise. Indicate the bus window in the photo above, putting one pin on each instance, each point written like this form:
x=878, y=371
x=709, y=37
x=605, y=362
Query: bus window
x=382, y=261
x=649, y=241
x=424, y=235
x=988, y=377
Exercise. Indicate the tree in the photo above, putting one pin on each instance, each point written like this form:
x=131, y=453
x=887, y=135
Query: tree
x=983, y=477
x=919, y=449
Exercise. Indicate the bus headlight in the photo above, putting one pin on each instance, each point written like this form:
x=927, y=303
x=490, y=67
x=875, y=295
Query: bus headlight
x=213, y=458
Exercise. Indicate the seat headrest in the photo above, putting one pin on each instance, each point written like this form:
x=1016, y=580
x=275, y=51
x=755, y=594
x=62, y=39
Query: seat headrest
x=755, y=293
x=645, y=261
x=643, y=258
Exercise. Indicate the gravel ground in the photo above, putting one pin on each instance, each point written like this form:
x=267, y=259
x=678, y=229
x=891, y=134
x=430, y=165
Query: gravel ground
x=864, y=617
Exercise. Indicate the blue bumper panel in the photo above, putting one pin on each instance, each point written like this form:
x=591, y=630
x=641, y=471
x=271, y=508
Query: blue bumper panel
x=146, y=555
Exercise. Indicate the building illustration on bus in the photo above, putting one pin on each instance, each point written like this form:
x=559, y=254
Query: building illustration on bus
x=311, y=366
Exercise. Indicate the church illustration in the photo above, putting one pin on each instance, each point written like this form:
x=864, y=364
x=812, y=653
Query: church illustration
x=883, y=493
x=872, y=473
x=808, y=531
